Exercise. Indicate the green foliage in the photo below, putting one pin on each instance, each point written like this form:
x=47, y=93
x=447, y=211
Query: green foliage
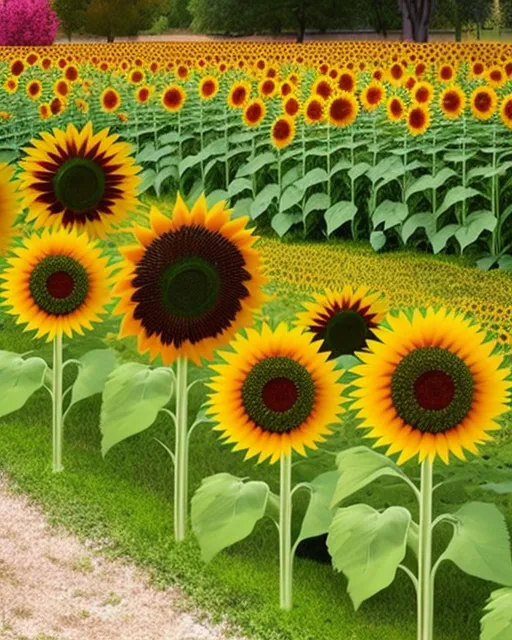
x=497, y=622
x=160, y=25
x=224, y=511
x=71, y=14
x=368, y=546
x=111, y=18
x=19, y=380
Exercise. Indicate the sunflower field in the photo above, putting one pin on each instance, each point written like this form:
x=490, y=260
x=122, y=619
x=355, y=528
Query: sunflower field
x=271, y=247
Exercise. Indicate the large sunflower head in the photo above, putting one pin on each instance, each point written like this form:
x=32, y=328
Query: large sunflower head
x=342, y=109
x=58, y=283
x=277, y=393
x=79, y=179
x=8, y=205
x=190, y=283
x=372, y=95
x=343, y=321
x=282, y=131
x=483, y=102
x=452, y=102
x=239, y=94
x=430, y=386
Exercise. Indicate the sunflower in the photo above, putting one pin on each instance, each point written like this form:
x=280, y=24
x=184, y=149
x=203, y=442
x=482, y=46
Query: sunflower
x=395, y=109
x=506, y=111
x=173, y=97
x=8, y=204
x=11, y=85
x=57, y=105
x=143, y=94
x=78, y=179
x=136, y=76
x=239, y=95
x=57, y=283
x=483, y=102
x=254, y=112
x=343, y=321
x=347, y=81
x=372, y=95
x=422, y=92
x=267, y=88
x=190, y=283
x=322, y=87
x=291, y=106
x=342, y=109
x=418, y=119
x=452, y=101
x=314, y=110
x=496, y=76
x=430, y=386
x=282, y=131
x=62, y=88
x=208, y=87
x=276, y=393
x=395, y=74
x=477, y=70
x=44, y=111
x=34, y=89
x=446, y=73
x=110, y=100
x=82, y=105
x=71, y=73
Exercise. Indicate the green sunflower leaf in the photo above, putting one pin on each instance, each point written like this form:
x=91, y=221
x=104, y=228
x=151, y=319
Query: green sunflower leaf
x=19, y=379
x=497, y=622
x=359, y=467
x=134, y=394
x=318, y=517
x=498, y=487
x=480, y=544
x=224, y=510
x=95, y=368
x=367, y=546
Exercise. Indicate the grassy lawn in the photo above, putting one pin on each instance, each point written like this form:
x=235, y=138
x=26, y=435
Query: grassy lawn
x=127, y=498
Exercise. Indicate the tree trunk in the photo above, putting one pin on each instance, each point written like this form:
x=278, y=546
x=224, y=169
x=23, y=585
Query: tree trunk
x=478, y=30
x=301, y=18
x=110, y=37
x=407, y=34
x=418, y=13
x=458, y=31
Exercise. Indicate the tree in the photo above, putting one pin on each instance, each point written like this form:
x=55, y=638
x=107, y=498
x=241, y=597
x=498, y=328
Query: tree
x=416, y=15
x=457, y=13
x=71, y=15
x=27, y=22
x=111, y=18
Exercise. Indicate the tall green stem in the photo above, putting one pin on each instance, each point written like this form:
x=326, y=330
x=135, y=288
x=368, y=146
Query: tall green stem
x=57, y=404
x=425, y=594
x=226, y=138
x=495, y=198
x=201, y=134
x=328, y=125
x=181, y=452
x=464, y=168
x=285, y=533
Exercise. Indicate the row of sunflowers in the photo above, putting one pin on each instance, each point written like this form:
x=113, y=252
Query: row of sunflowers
x=422, y=382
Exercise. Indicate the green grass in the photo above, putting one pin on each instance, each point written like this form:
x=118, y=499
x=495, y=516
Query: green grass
x=127, y=499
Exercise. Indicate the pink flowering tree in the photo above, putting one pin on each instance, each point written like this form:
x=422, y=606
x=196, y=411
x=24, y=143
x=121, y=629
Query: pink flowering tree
x=27, y=22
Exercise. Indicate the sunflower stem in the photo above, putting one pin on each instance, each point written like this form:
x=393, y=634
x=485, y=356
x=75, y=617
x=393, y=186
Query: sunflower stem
x=425, y=594
x=285, y=533
x=57, y=404
x=181, y=452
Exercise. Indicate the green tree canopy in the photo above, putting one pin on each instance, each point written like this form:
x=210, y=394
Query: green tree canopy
x=111, y=18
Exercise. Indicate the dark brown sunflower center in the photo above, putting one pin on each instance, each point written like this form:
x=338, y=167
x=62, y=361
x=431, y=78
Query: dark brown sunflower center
x=432, y=389
x=189, y=285
x=345, y=333
x=59, y=285
x=278, y=394
x=79, y=184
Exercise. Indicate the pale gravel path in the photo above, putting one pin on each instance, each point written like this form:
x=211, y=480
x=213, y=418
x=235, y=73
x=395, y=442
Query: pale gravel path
x=53, y=587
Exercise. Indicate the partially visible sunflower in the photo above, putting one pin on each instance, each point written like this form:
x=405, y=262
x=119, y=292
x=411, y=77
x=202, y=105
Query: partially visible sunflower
x=190, y=283
x=78, y=179
x=418, y=119
x=8, y=205
x=208, y=87
x=452, y=101
x=34, y=89
x=432, y=386
x=239, y=94
x=291, y=106
x=58, y=283
x=11, y=85
x=343, y=321
x=506, y=111
x=143, y=94
x=483, y=102
x=395, y=109
x=423, y=92
x=282, y=131
x=276, y=393
x=372, y=95
x=322, y=87
x=314, y=110
x=110, y=100
x=254, y=112
x=173, y=97
x=496, y=76
x=342, y=109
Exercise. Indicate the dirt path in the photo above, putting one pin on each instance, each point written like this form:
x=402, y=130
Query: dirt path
x=52, y=587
